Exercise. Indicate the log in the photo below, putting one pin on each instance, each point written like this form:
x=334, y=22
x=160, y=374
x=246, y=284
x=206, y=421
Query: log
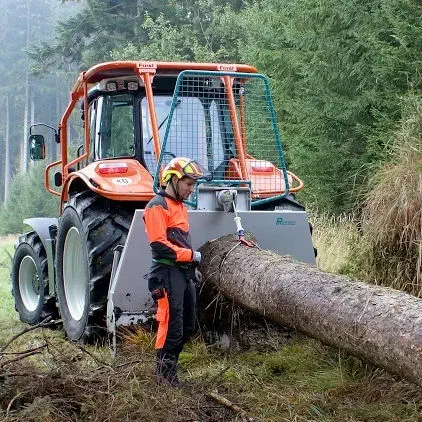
x=378, y=324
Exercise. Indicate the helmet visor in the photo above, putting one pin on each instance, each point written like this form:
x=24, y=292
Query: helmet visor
x=194, y=170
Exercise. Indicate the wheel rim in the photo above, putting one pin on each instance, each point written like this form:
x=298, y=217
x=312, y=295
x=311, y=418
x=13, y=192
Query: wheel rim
x=29, y=283
x=74, y=274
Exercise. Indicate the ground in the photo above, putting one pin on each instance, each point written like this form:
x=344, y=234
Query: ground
x=278, y=376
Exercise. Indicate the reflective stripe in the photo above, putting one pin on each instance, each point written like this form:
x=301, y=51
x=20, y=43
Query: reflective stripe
x=172, y=263
x=164, y=261
x=162, y=317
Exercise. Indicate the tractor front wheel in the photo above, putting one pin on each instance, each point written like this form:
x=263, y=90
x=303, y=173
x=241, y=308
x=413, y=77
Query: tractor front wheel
x=30, y=281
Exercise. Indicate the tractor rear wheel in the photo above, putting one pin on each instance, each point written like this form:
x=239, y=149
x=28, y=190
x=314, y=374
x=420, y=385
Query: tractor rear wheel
x=89, y=230
x=30, y=281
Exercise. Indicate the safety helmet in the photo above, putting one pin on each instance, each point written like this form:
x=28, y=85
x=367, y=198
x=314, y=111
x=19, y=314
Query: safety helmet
x=185, y=167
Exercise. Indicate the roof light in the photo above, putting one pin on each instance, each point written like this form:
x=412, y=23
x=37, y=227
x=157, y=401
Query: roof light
x=112, y=168
x=131, y=85
x=111, y=86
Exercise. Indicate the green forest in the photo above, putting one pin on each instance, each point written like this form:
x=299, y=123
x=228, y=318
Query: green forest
x=344, y=77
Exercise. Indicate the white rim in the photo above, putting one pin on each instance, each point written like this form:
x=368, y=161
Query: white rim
x=74, y=274
x=29, y=283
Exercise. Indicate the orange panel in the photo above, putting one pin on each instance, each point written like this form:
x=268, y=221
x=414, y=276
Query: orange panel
x=132, y=183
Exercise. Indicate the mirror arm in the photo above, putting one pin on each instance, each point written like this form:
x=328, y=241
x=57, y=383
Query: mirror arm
x=43, y=124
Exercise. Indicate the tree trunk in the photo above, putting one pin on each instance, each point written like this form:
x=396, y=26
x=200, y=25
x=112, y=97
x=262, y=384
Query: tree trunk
x=377, y=324
x=7, y=173
x=24, y=150
x=31, y=122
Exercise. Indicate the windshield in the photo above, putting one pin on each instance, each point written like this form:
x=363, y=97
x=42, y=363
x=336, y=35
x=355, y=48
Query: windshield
x=113, y=127
x=195, y=131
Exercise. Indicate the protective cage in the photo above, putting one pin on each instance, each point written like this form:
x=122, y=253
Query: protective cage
x=226, y=121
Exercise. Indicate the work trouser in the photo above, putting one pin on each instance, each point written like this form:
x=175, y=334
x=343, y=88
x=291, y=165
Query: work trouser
x=176, y=310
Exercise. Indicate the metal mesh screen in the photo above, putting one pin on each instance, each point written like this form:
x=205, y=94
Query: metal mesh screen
x=227, y=124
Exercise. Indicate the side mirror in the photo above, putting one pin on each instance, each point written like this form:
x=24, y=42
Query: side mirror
x=37, y=147
x=58, y=179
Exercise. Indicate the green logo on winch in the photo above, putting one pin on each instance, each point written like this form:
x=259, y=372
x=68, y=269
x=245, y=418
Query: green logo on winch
x=282, y=222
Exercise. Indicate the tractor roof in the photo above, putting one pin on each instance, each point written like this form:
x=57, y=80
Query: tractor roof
x=131, y=68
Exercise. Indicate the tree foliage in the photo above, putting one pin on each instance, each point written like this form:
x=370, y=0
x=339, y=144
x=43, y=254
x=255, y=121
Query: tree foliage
x=173, y=30
x=27, y=198
x=24, y=23
x=338, y=70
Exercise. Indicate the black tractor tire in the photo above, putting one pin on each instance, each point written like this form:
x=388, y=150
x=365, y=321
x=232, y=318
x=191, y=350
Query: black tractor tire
x=30, y=281
x=89, y=229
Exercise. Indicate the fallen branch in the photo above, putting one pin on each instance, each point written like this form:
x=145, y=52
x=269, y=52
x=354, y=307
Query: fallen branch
x=23, y=374
x=9, y=406
x=26, y=354
x=227, y=403
x=99, y=361
x=20, y=353
x=43, y=324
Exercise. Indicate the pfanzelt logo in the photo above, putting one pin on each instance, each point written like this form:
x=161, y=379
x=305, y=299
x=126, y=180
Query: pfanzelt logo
x=282, y=222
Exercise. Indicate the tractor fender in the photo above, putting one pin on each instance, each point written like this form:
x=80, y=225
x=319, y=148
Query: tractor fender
x=42, y=226
x=76, y=181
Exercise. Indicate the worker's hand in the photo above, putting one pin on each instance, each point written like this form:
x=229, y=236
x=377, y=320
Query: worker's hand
x=198, y=277
x=196, y=257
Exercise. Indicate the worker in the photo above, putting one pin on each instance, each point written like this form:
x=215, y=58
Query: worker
x=171, y=276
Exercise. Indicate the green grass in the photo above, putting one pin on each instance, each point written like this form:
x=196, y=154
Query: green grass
x=9, y=319
x=305, y=381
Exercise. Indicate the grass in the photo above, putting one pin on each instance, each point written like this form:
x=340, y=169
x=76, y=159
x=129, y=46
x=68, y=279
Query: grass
x=300, y=381
x=8, y=317
x=392, y=213
x=336, y=238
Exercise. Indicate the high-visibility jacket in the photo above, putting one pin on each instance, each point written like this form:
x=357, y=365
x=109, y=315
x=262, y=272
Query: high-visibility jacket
x=167, y=228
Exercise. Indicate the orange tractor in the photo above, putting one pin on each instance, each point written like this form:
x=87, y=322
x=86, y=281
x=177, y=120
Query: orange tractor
x=87, y=266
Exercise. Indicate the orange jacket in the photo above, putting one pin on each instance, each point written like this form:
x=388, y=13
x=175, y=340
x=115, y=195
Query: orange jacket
x=167, y=228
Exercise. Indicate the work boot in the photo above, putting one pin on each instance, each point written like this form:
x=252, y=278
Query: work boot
x=167, y=370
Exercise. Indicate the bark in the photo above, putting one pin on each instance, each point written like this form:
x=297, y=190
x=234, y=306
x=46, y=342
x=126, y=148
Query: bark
x=24, y=150
x=378, y=324
x=7, y=168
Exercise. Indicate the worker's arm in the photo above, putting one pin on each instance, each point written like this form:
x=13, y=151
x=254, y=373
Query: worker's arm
x=156, y=229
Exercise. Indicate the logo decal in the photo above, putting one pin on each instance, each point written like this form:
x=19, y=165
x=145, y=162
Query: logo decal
x=282, y=222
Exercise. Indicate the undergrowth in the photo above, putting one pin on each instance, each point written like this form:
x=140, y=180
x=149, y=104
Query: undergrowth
x=392, y=216
x=303, y=381
x=383, y=243
x=337, y=239
x=8, y=316
x=299, y=381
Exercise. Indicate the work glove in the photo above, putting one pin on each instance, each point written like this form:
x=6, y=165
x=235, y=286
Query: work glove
x=196, y=257
x=158, y=293
x=198, y=277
